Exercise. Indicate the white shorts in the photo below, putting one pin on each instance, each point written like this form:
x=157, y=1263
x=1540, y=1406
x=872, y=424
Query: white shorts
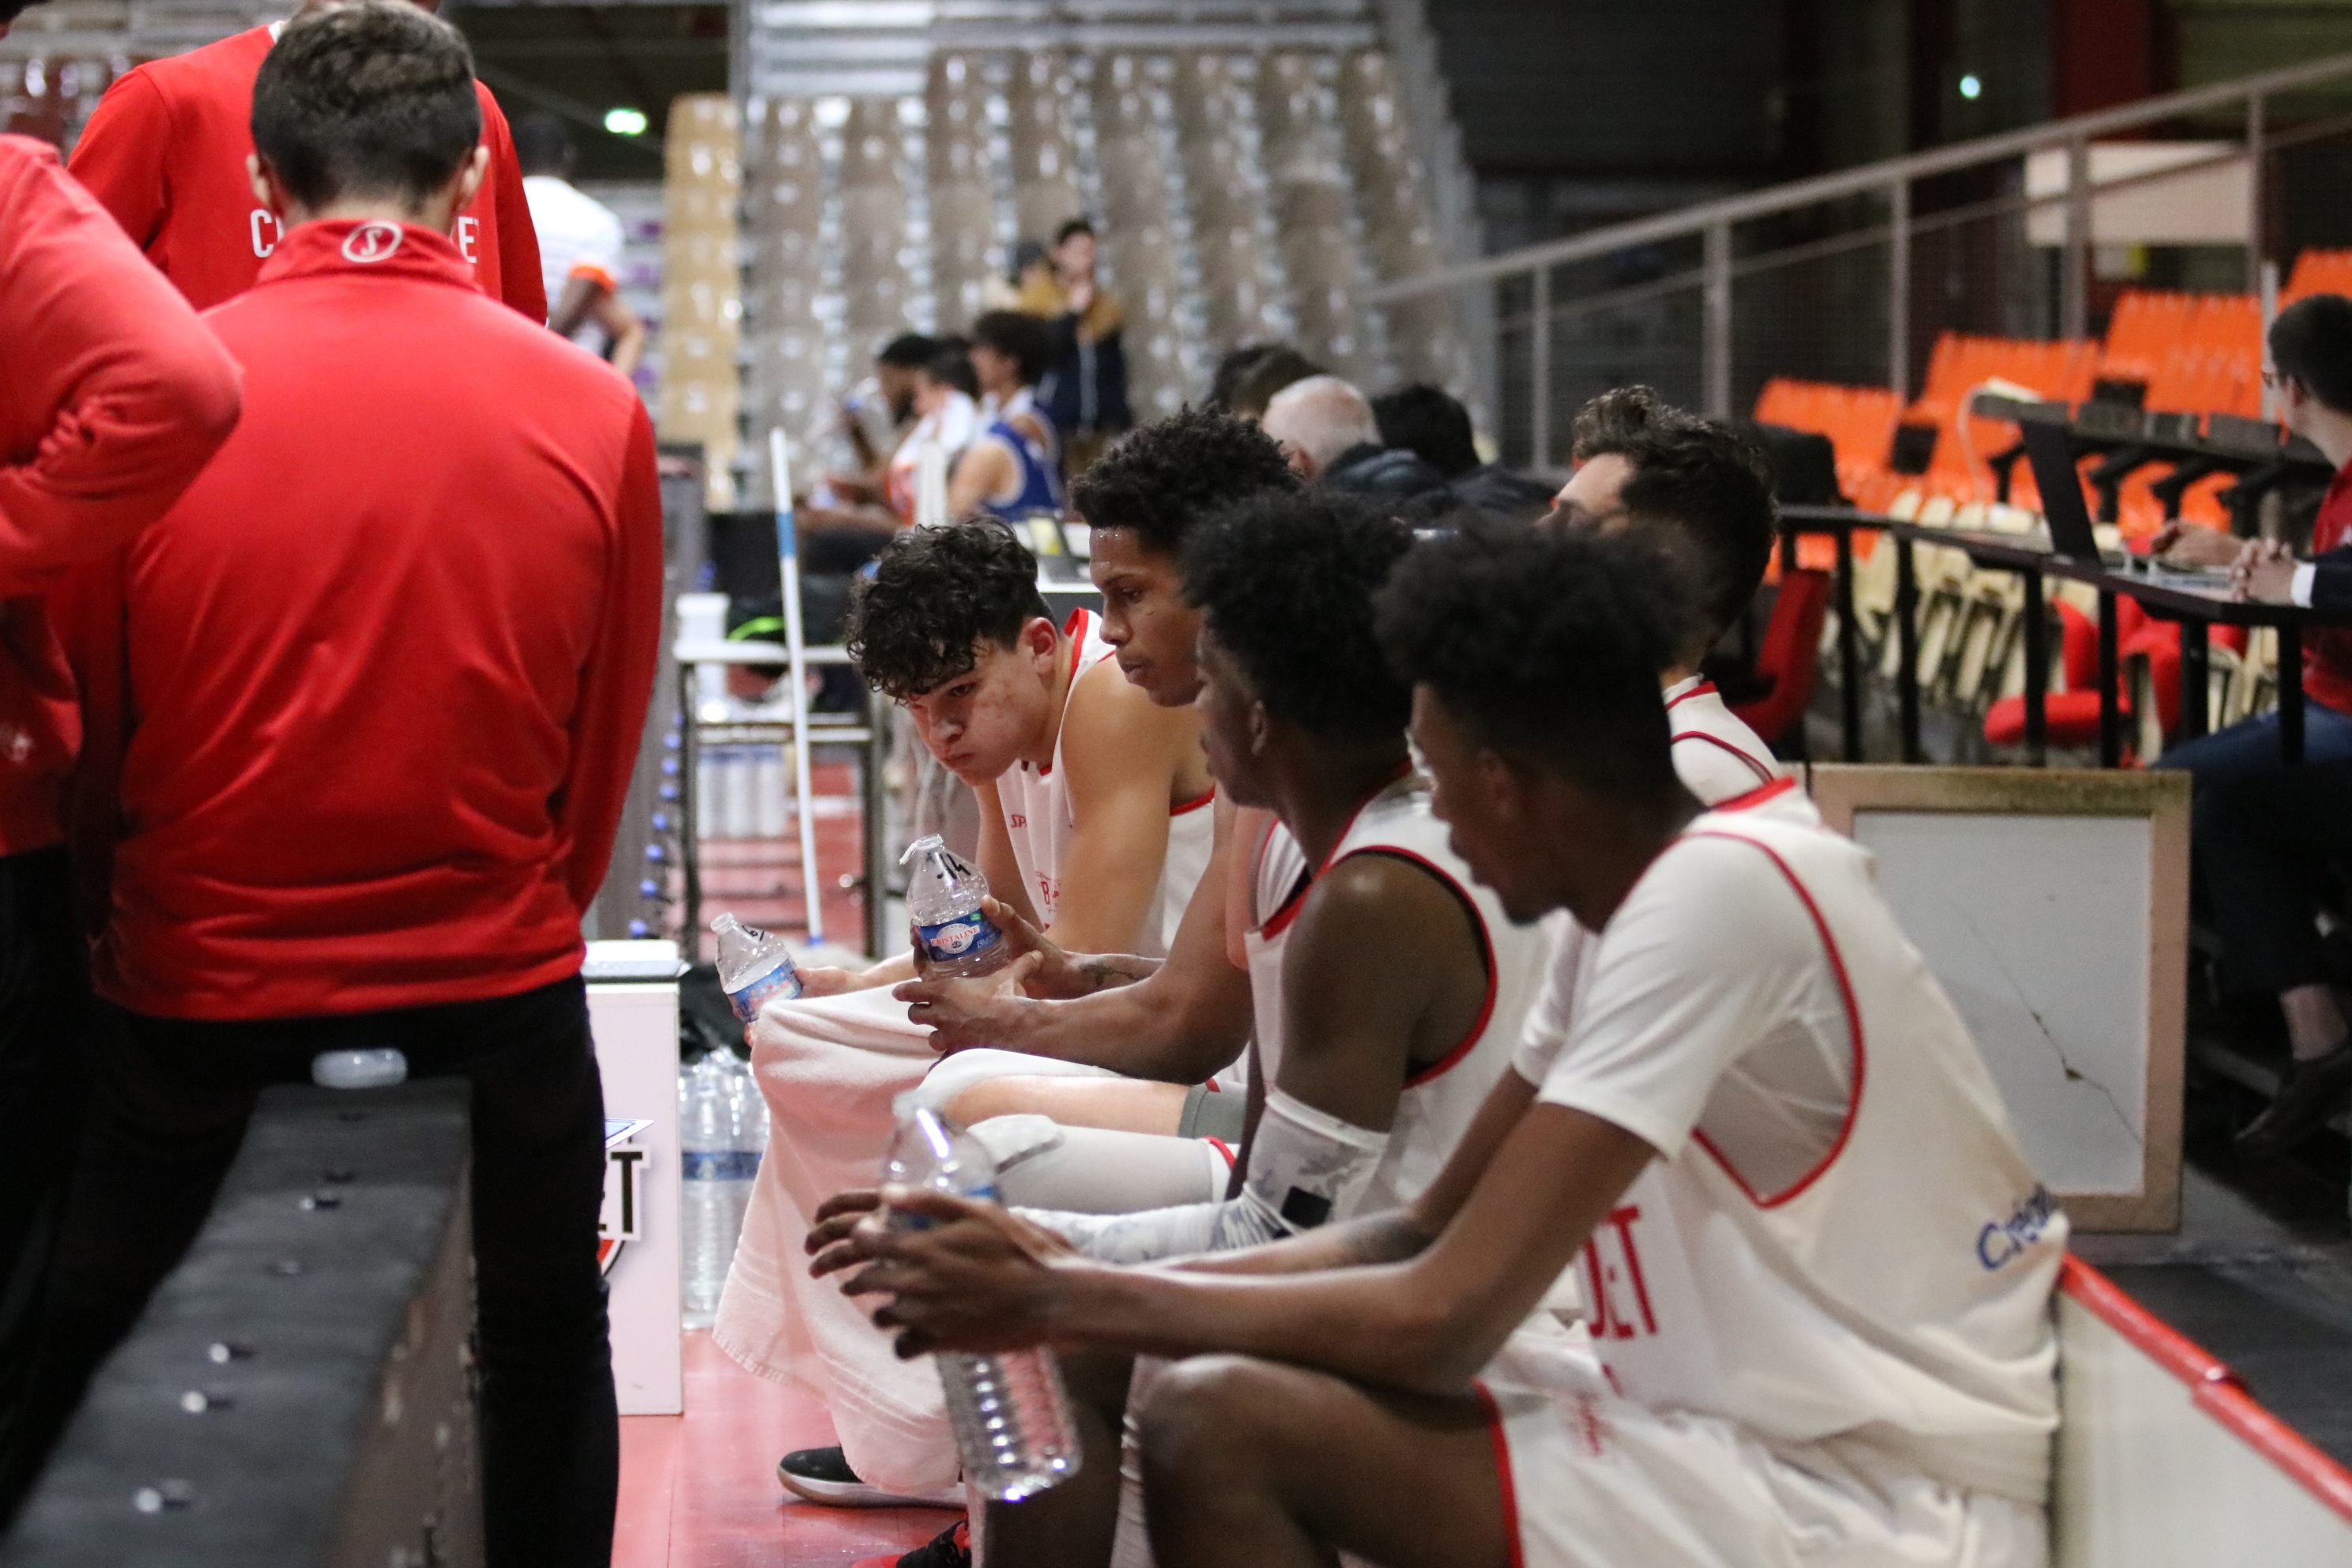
x=1594, y=1481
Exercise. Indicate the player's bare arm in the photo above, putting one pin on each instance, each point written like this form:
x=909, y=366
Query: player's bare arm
x=1130, y=763
x=1384, y=975
x=982, y=1279
x=1176, y=1021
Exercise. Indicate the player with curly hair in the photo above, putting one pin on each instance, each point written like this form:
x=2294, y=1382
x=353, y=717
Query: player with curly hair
x=1760, y=1384
x=1095, y=827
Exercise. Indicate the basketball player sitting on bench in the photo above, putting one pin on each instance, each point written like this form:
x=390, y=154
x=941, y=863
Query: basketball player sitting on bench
x=1820, y=1317
x=832, y=1066
x=1693, y=488
x=1388, y=989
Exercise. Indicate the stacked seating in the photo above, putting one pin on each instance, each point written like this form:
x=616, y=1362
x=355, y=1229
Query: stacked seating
x=962, y=191
x=1244, y=287
x=1242, y=193
x=786, y=379
x=1142, y=181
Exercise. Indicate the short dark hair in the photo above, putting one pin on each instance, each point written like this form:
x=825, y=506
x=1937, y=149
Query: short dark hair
x=950, y=365
x=936, y=594
x=376, y=99
x=1431, y=423
x=543, y=145
x=1232, y=367
x=1162, y=478
x=1019, y=336
x=1547, y=646
x=12, y=9
x=1285, y=581
x=1277, y=369
x=907, y=351
x=2312, y=341
x=1072, y=227
x=1712, y=486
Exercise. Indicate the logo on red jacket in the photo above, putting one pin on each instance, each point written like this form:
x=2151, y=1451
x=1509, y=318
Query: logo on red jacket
x=371, y=242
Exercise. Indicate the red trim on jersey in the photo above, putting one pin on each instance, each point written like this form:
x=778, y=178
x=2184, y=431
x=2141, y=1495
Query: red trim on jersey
x=1763, y=772
x=2213, y=1388
x=1853, y=1021
x=1486, y=958
x=1757, y=796
x=1279, y=922
x=1193, y=804
x=1220, y=1145
x=1073, y=629
x=1704, y=689
x=1502, y=1472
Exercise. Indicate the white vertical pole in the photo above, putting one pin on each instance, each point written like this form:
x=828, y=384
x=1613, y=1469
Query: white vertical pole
x=788, y=560
x=1716, y=342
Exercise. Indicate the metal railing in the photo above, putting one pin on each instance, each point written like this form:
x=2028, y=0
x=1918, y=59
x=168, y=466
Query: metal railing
x=1530, y=271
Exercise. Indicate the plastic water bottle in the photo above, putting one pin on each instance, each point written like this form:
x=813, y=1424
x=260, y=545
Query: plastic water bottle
x=717, y=1171
x=754, y=967
x=378, y=1069
x=1012, y=1418
x=943, y=895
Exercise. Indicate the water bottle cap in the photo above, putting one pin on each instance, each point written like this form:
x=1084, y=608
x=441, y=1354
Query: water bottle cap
x=926, y=844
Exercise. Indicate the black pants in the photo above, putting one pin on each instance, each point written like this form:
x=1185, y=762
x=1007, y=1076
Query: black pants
x=2257, y=881
x=169, y=1105
x=2266, y=844
x=44, y=1004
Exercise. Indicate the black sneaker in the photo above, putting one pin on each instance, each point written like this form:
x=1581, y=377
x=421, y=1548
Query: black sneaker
x=2309, y=1094
x=823, y=1475
x=951, y=1548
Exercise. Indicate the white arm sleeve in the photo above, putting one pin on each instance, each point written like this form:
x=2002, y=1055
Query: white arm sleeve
x=1306, y=1168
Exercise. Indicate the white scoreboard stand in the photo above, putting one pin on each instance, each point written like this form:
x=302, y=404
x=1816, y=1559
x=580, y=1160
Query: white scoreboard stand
x=633, y=1013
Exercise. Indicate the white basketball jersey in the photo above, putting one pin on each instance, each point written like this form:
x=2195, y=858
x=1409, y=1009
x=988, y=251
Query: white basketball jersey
x=1716, y=754
x=1439, y=1100
x=1039, y=820
x=1840, y=1241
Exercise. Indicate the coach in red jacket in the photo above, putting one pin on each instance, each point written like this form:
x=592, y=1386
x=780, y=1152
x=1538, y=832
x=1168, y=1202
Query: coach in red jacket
x=383, y=672
x=165, y=153
x=112, y=395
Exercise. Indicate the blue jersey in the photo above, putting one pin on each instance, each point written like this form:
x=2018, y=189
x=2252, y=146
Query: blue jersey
x=1040, y=488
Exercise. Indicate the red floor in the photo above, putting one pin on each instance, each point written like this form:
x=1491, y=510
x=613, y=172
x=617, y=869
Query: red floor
x=699, y=1491
x=759, y=879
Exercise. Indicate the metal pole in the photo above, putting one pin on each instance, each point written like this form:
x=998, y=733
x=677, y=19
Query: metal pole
x=876, y=809
x=2075, y=281
x=1898, y=289
x=2254, y=237
x=1717, y=339
x=788, y=574
x=1539, y=372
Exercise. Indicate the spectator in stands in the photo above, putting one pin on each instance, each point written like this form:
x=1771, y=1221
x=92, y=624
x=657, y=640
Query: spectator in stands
x=1433, y=425
x=1013, y=467
x=1085, y=387
x=1234, y=368
x=875, y=423
x=114, y=398
x=2265, y=833
x=579, y=246
x=1281, y=365
x=167, y=151
x=1031, y=275
x=370, y=694
x=1327, y=430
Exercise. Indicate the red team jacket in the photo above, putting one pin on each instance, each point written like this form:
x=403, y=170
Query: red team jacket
x=111, y=397
x=370, y=695
x=165, y=150
x=2327, y=650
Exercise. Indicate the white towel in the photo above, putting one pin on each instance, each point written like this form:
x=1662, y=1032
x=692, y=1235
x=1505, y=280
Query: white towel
x=830, y=1068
